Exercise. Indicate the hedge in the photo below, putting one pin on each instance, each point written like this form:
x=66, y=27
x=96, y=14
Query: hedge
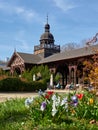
x=16, y=84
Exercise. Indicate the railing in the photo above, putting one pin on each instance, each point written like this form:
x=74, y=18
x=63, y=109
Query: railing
x=47, y=46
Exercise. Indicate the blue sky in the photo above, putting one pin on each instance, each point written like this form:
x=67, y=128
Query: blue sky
x=22, y=23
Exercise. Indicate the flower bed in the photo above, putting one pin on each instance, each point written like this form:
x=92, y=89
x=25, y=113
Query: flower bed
x=53, y=108
x=51, y=111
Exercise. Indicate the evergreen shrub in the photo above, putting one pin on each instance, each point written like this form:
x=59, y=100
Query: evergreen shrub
x=16, y=84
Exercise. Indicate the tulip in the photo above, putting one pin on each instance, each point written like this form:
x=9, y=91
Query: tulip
x=80, y=96
x=47, y=96
x=91, y=101
x=50, y=93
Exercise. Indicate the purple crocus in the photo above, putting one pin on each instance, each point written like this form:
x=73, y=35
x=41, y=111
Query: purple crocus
x=43, y=106
x=74, y=100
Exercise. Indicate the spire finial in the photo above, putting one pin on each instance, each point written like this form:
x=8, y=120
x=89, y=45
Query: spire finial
x=47, y=18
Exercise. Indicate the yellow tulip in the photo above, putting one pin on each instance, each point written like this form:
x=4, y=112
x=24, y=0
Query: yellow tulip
x=91, y=101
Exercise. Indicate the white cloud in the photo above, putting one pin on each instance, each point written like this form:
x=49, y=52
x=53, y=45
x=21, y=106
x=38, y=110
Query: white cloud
x=64, y=5
x=26, y=14
x=21, y=12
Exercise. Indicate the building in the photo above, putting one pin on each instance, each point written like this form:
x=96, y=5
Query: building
x=3, y=66
x=21, y=61
x=68, y=64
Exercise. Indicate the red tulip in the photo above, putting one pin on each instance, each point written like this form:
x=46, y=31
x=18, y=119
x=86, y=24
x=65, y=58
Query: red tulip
x=47, y=96
x=50, y=92
x=80, y=96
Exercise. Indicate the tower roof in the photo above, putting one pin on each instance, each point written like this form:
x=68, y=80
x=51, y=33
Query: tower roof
x=47, y=37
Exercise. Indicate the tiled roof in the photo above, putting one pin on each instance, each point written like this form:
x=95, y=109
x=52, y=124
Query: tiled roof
x=37, y=59
x=29, y=58
x=81, y=52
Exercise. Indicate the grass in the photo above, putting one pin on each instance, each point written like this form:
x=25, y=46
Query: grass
x=15, y=116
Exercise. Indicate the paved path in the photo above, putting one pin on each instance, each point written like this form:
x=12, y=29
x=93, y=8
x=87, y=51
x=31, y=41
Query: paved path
x=5, y=96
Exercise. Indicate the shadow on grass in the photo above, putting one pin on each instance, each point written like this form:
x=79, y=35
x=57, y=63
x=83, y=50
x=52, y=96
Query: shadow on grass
x=14, y=117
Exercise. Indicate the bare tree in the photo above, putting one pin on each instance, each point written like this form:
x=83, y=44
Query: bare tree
x=69, y=46
x=92, y=40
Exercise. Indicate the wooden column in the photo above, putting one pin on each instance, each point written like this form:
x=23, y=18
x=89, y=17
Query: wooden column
x=69, y=80
x=75, y=70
